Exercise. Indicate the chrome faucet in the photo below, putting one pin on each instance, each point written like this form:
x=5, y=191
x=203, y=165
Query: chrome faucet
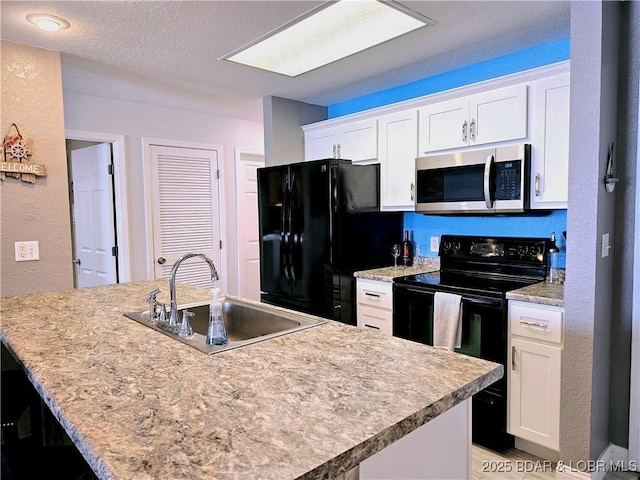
x=173, y=310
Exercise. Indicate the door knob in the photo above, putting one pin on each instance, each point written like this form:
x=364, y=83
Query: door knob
x=162, y=260
x=76, y=261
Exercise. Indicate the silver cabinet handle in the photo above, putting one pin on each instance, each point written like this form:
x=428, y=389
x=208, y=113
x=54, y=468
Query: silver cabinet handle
x=413, y=191
x=162, y=261
x=464, y=132
x=513, y=358
x=537, y=184
x=472, y=130
x=375, y=295
x=543, y=326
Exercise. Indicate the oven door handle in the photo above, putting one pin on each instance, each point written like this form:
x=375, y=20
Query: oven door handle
x=479, y=301
x=489, y=302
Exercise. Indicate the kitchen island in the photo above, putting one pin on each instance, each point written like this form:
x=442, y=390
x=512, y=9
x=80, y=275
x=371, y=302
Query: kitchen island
x=313, y=404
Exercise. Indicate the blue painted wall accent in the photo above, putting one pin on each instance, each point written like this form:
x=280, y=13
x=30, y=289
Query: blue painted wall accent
x=422, y=227
x=516, y=62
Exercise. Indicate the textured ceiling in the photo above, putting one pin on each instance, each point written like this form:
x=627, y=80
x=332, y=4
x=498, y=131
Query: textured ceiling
x=176, y=44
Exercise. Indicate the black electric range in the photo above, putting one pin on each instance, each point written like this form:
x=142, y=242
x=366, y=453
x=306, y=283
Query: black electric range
x=481, y=270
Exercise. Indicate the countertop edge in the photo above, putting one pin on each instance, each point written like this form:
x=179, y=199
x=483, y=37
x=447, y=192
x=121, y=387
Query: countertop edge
x=97, y=465
x=354, y=456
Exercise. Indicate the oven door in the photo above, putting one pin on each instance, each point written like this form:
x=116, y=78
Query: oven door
x=484, y=330
x=483, y=321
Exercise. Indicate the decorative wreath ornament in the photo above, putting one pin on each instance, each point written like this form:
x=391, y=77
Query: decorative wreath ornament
x=16, y=161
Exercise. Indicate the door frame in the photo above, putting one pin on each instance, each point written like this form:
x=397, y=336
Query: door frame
x=147, y=143
x=121, y=208
x=634, y=387
x=238, y=160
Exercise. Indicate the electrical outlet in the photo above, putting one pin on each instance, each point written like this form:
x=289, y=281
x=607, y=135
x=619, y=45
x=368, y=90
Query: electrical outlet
x=27, y=251
x=435, y=244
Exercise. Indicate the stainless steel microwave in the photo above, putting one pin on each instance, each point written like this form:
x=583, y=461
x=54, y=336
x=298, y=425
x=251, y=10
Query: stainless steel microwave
x=490, y=180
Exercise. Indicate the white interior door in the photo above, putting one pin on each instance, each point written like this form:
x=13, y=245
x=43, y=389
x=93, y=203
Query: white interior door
x=185, y=211
x=93, y=216
x=247, y=164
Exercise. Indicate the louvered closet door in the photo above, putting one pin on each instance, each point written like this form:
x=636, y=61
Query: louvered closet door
x=186, y=213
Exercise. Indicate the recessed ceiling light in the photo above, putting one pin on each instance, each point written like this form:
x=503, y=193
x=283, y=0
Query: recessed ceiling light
x=328, y=33
x=47, y=22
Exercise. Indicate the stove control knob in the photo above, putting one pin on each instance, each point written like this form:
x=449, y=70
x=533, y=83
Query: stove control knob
x=456, y=246
x=522, y=250
x=446, y=246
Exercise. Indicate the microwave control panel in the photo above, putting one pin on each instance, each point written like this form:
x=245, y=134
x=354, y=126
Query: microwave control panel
x=508, y=180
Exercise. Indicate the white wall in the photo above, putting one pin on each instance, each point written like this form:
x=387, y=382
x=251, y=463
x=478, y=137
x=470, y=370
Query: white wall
x=32, y=99
x=100, y=111
x=589, y=288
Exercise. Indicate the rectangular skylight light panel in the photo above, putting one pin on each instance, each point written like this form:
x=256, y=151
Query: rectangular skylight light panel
x=333, y=32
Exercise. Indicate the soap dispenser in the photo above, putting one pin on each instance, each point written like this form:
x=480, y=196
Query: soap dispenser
x=216, y=333
x=554, y=261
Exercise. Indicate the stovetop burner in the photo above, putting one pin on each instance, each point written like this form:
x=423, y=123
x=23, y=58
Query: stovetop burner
x=485, y=265
x=467, y=283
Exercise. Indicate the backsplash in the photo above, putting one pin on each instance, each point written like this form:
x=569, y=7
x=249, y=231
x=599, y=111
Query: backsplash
x=423, y=227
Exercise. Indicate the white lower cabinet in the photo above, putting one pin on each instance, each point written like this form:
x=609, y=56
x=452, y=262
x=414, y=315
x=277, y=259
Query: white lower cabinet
x=534, y=377
x=374, y=309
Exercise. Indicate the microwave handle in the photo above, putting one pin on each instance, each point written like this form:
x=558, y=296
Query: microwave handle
x=488, y=169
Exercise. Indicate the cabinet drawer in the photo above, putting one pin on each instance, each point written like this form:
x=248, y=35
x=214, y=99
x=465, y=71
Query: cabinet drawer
x=375, y=293
x=540, y=322
x=375, y=319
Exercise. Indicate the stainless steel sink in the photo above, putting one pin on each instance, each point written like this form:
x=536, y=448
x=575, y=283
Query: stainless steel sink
x=246, y=322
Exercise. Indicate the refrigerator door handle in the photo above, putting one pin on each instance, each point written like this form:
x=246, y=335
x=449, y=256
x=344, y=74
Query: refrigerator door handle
x=294, y=236
x=334, y=187
x=283, y=228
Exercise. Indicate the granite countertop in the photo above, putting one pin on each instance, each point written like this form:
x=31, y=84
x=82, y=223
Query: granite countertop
x=140, y=405
x=543, y=293
x=387, y=274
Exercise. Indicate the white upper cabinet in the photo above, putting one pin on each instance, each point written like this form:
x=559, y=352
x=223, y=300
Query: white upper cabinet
x=550, y=142
x=397, y=151
x=356, y=141
x=493, y=116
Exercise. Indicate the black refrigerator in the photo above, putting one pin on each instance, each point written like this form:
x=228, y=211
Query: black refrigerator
x=320, y=221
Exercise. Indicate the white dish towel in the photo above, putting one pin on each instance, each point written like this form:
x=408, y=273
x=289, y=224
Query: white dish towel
x=447, y=320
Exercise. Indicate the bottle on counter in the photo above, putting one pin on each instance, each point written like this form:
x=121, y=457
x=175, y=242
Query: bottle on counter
x=407, y=250
x=554, y=261
x=216, y=332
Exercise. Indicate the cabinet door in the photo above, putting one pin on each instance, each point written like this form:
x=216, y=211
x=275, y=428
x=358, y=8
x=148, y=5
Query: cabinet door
x=398, y=149
x=358, y=141
x=534, y=392
x=444, y=125
x=320, y=144
x=498, y=115
x=550, y=155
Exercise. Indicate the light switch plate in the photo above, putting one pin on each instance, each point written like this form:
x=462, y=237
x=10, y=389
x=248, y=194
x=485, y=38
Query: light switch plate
x=605, y=245
x=435, y=244
x=27, y=251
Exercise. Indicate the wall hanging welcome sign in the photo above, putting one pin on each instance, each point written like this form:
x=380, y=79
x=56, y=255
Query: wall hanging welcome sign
x=16, y=161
